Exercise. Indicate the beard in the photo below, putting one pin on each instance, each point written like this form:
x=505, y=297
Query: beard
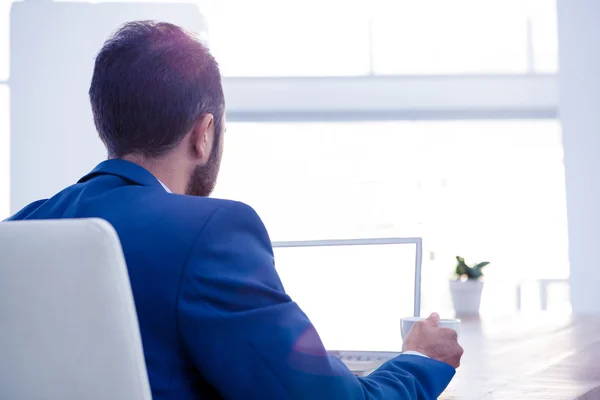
x=204, y=177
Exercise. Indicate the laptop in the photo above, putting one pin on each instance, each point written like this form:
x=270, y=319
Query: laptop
x=355, y=291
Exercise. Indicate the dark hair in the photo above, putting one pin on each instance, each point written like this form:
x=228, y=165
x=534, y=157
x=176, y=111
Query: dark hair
x=151, y=82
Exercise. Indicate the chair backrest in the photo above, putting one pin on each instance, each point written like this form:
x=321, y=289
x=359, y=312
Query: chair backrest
x=68, y=326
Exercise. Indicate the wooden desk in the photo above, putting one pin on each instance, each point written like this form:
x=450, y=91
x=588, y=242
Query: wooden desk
x=529, y=357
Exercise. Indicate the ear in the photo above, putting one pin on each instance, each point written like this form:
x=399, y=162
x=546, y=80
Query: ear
x=202, y=138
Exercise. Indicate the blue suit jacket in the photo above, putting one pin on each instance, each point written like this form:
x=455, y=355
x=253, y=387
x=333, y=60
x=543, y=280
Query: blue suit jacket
x=214, y=317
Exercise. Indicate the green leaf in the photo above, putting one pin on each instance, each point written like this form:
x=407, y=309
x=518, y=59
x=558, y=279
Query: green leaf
x=472, y=273
x=475, y=273
x=481, y=265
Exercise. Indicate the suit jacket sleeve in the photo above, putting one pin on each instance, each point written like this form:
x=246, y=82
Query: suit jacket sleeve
x=249, y=340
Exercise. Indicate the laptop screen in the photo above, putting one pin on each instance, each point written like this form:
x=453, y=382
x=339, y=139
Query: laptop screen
x=354, y=295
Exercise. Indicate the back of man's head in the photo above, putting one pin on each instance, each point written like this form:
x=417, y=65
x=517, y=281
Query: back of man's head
x=151, y=82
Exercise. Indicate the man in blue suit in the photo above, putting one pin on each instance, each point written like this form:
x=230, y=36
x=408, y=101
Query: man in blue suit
x=215, y=319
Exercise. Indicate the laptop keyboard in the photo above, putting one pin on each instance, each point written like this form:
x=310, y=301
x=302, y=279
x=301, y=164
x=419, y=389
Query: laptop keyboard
x=363, y=363
x=362, y=359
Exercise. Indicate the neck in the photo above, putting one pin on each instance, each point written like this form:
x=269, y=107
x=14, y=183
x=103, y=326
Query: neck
x=165, y=169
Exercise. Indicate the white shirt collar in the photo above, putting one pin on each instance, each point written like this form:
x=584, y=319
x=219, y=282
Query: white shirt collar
x=164, y=186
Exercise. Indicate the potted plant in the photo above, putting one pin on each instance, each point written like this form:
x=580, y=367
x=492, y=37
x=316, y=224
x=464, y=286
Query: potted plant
x=466, y=288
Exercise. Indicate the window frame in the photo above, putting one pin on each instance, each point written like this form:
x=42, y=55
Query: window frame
x=533, y=96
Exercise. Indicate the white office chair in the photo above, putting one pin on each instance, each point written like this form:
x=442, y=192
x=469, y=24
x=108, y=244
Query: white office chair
x=68, y=326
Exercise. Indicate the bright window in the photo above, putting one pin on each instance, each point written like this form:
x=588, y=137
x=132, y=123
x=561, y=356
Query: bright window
x=340, y=38
x=544, y=35
x=487, y=190
x=453, y=37
x=290, y=38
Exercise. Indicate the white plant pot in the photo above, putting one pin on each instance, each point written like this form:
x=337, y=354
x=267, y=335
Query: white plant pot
x=466, y=296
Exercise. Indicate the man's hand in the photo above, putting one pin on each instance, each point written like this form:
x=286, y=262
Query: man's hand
x=438, y=343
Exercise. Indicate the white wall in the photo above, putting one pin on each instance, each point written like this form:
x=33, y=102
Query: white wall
x=579, y=102
x=53, y=45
